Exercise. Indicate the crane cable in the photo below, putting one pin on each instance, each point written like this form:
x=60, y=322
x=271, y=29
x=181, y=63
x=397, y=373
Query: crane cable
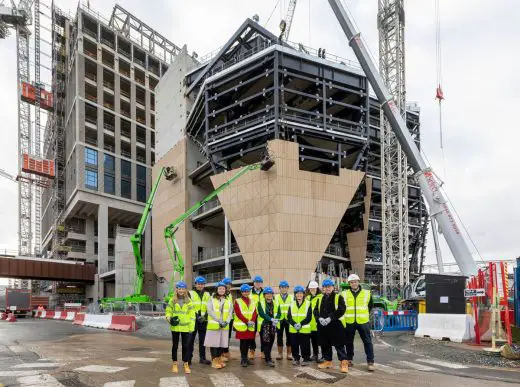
x=272, y=12
x=439, y=94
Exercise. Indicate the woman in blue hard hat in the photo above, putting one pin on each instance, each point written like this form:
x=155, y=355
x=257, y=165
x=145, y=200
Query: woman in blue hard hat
x=313, y=294
x=328, y=311
x=244, y=323
x=268, y=317
x=284, y=300
x=220, y=313
x=299, y=317
x=180, y=314
x=226, y=355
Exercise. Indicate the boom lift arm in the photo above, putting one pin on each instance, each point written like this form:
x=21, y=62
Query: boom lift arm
x=426, y=178
x=171, y=229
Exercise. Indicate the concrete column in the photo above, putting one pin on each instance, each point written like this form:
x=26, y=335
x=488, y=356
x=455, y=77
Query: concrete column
x=227, y=247
x=89, y=233
x=102, y=237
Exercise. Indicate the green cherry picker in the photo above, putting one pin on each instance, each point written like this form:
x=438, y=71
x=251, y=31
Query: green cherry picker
x=171, y=229
x=136, y=239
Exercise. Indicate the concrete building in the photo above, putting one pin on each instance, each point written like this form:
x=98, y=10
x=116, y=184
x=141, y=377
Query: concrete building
x=105, y=111
x=318, y=212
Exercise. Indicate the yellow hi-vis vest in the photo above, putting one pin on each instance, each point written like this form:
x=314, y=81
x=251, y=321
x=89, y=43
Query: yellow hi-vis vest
x=336, y=302
x=313, y=301
x=256, y=297
x=260, y=320
x=186, y=315
x=247, y=312
x=213, y=325
x=199, y=304
x=284, y=305
x=298, y=314
x=357, y=307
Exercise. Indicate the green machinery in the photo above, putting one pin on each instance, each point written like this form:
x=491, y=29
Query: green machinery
x=379, y=301
x=136, y=239
x=171, y=229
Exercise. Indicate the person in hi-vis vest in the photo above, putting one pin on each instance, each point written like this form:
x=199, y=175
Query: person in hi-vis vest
x=357, y=318
x=227, y=281
x=268, y=317
x=244, y=323
x=313, y=294
x=220, y=313
x=199, y=299
x=257, y=294
x=284, y=300
x=299, y=317
x=180, y=314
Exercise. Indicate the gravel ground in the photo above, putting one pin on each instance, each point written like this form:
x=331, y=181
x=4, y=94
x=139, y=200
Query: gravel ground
x=153, y=327
x=445, y=350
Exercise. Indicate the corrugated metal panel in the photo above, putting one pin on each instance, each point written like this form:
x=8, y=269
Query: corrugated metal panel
x=52, y=271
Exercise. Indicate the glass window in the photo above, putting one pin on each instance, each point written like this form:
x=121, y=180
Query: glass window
x=110, y=163
x=91, y=179
x=141, y=173
x=141, y=193
x=126, y=168
x=110, y=184
x=126, y=189
x=91, y=156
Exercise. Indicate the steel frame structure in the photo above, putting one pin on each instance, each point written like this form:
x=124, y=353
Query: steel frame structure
x=394, y=165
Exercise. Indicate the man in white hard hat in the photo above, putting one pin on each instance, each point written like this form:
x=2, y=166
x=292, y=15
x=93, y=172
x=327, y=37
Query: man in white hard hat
x=357, y=318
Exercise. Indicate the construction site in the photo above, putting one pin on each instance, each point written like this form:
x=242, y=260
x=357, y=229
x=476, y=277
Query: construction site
x=142, y=163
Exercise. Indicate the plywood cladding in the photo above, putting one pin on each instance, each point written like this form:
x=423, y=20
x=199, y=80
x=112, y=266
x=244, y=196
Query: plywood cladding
x=284, y=219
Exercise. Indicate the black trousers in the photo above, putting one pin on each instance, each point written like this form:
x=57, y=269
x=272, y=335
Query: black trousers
x=185, y=337
x=327, y=352
x=364, y=333
x=267, y=345
x=201, y=330
x=226, y=350
x=301, y=344
x=284, y=326
x=246, y=345
x=216, y=352
x=314, y=342
x=253, y=344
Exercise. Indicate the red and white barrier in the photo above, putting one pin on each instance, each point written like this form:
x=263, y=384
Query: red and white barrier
x=106, y=321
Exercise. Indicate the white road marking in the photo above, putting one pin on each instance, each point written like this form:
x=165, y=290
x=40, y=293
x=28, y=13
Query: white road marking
x=388, y=369
x=272, y=377
x=100, y=368
x=225, y=379
x=44, y=380
x=12, y=374
x=139, y=359
x=174, y=381
x=415, y=366
x=315, y=373
x=442, y=363
x=356, y=372
x=122, y=383
x=160, y=352
x=37, y=365
x=405, y=351
x=17, y=348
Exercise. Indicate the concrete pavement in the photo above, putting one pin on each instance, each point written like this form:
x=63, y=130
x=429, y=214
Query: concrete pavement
x=56, y=353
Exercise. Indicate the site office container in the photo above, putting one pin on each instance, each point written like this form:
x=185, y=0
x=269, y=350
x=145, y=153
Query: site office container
x=17, y=301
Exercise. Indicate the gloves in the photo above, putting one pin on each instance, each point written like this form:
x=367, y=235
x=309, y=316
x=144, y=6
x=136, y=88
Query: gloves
x=297, y=326
x=223, y=324
x=174, y=321
x=322, y=321
x=251, y=324
x=200, y=319
x=275, y=321
x=328, y=320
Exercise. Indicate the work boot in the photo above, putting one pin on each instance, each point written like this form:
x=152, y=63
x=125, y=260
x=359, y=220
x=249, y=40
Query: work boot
x=187, y=369
x=289, y=353
x=221, y=362
x=371, y=367
x=295, y=362
x=175, y=368
x=204, y=361
x=251, y=354
x=315, y=358
x=216, y=364
x=244, y=363
x=344, y=366
x=350, y=363
x=280, y=353
x=325, y=364
x=226, y=356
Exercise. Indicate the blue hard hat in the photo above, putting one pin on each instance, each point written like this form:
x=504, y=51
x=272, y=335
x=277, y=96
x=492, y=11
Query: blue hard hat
x=328, y=282
x=226, y=281
x=221, y=283
x=258, y=279
x=298, y=289
x=268, y=290
x=200, y=280
x=245, y=288
x=284, y=284
x=181, y=285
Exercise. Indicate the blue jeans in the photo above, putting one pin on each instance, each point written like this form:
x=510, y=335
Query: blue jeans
x=364, y=333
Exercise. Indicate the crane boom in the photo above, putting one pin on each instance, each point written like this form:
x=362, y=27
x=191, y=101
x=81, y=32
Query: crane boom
x=425, y=176
x=287, y=22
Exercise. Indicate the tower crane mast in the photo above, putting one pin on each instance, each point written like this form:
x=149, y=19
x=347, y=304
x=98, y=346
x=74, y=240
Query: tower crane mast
x=286, y=23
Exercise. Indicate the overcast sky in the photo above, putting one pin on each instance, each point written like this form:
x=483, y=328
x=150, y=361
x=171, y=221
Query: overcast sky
x=481, y=82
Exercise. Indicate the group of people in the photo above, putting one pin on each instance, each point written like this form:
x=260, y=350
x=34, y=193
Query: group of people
x=310, y=317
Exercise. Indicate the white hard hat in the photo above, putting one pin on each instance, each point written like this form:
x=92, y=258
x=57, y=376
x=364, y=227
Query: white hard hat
x=313, y=285
x=353, y=277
